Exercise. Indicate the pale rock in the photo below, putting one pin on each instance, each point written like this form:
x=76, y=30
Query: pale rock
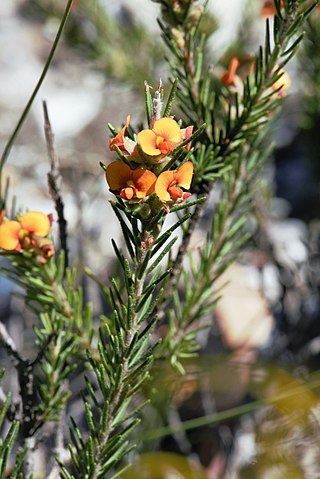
x=242, y=312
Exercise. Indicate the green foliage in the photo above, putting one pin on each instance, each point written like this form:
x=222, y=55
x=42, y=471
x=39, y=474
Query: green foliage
x=7, y=442
x=230, y=151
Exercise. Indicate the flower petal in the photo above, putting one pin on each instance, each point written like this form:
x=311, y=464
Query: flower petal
x=9, y=235
x=168, y=129
x=117, y=175
x=163, y=182
x=183, y=175
x=185, y=134
x=229, y=77
x=148, y=142
x=119, y=138
x=35, y=222
x=144, y=181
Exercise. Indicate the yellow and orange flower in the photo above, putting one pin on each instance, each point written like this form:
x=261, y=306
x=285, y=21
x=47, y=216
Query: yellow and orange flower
x=162, y=139
x=130, y=184
x=27, y=233
x=169, y=184
x=118, y=140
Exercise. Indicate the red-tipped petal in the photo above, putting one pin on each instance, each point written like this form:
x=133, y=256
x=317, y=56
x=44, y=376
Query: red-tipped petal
x=118, y=140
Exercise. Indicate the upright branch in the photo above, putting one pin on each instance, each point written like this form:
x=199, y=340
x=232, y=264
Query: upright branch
x=150, y=178
x=54, y=183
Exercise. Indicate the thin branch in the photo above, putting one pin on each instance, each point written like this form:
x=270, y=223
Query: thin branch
x=26, y=110
x=54, y=183
x=10, y=345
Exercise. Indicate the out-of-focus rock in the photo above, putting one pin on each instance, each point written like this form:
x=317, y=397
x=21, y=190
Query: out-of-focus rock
x=242, y=312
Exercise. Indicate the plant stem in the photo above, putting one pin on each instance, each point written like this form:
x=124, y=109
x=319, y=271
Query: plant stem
x=26, y=110
x=128, y=337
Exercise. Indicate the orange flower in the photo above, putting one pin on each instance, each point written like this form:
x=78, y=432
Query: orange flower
x=162, y=139
x=229, y=77
x=169, y=182
x=268, y=8
x=25, y=233
x=118, y=140
x=36, y=223
x=130, y=184
x=9, y=235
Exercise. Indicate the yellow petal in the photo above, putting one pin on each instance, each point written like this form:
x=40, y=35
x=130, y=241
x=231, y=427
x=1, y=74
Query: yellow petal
x=35, y=222
x=163, y=183
x=168, y=129
x=183, y=175
x=148, y=142
x=9, y=235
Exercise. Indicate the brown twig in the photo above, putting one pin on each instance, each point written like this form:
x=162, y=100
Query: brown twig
x=54, y=183
x=24, y=368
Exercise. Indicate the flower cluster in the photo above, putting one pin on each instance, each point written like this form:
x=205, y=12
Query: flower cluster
x=27, y=234
x=136, y=174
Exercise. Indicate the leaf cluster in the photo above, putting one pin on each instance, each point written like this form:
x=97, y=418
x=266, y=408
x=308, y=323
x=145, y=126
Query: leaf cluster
x=230, y=156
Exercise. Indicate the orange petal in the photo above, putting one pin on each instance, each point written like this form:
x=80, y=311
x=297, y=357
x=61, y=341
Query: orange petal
x=9, y=235
x=119, y=138
x=148, y=143
x=269, y=8
x=175, y=192
x=144, y=181
x=183, y=175
x=117, y=175
x=229, y=77
x=163, y=182
x=166, y=147
x=168, y=129
x=35, y=222
x=127, y=193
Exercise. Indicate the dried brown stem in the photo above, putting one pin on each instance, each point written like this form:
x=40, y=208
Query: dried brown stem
x=54, y=183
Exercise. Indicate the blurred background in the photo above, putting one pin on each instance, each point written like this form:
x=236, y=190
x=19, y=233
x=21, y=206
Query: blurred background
x=261, y=358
